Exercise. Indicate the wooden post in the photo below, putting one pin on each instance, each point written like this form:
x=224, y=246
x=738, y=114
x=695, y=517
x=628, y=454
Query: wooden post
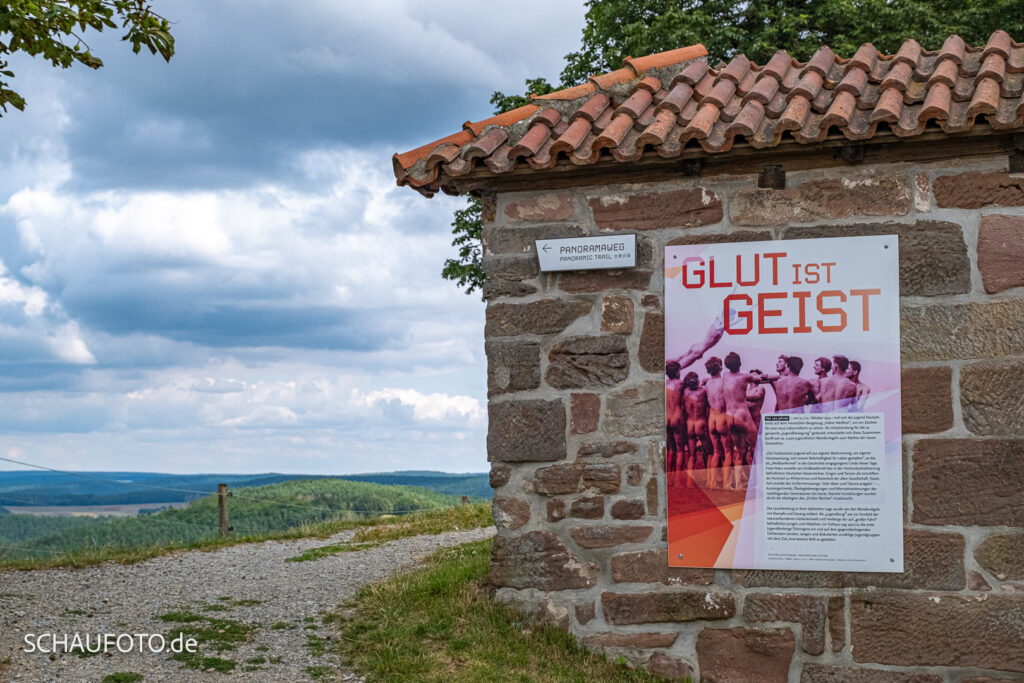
x=465, y=500
x=222, y=508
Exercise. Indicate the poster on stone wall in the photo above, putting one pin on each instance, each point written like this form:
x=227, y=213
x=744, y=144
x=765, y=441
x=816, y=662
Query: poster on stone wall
x=782, y=393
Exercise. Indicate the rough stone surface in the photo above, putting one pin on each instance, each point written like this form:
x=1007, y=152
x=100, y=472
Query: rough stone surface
x=668, y=667
x=1003, y=555
x=652, y=496
x=512, y=366
x=651, y=566
x=617, y=315
x=652, y=211
x=637, y=412
x=581, y=282
x=609, y=536
x=867, y=195
x=604, y=478
x=992, y=396
x=975, y=190
x=933, y=255
x=581, y=362
x=575, y=477
x=547, y=316
x=806, y=610
x=499, y=475
x=1001, y=252
x=650, y=608
x=914, y=629
x=837, y=622
x=637, y=640
x=584, y=413
x=553, y=206
x=510, y=513
x=605, y=450
x=534, y=606
x=977, y=582
x=927, y=399
x=968, y=482
x=651, y=301
x=559, y=479
x=651, y=350
x=525, y=431
x=731, y=655
x=628, y=509
x=822, y=673
x=521, y=240
x=922, y=193
x=931, y=560
x=505, y=275
x=635, y=474
x=556, y=510
x=585, y=612
x=962, y=331
x=538, y=560
x=722, y=238
x=591, y=507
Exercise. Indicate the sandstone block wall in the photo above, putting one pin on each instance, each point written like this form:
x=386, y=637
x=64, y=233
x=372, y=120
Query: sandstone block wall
x=576, y=435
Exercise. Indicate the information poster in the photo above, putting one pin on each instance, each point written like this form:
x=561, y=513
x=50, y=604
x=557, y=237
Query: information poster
x=782, y=405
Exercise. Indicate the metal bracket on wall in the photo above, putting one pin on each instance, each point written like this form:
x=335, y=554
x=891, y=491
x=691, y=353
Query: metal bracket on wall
x=1016, y=161
x=772, y=177
x=852, y=154
x=691, y=167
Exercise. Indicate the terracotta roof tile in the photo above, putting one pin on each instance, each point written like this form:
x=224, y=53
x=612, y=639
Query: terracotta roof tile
x=661, y=60
x=667, y=103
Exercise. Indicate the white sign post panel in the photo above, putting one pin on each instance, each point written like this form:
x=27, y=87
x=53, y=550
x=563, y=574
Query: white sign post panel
x=587, y=253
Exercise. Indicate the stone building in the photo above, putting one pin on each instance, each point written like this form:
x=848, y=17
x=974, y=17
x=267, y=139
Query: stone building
x=924, y=144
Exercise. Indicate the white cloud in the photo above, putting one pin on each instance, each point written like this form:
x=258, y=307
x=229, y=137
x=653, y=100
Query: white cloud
x=436, y=406
x=68, y=345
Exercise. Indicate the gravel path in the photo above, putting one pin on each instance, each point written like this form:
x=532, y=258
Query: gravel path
x=118, y=599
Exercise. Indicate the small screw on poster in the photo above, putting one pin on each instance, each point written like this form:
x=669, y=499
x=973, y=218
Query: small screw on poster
x=782, y=389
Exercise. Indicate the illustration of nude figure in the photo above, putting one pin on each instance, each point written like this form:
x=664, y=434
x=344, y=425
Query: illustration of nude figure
x=675, y=422
x=744, y=431
x=695, y=404
x=863, y=390
x=719, y=426
x=837, y=391
x=694, y=353
x=792, y=392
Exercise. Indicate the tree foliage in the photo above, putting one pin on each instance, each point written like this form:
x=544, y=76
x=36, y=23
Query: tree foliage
x=55, y=29
x=616, y=29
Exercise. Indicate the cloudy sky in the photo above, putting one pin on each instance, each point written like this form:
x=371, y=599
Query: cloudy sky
x=206, y=266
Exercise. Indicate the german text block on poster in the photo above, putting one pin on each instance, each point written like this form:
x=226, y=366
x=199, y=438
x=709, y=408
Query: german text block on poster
x=782, y=405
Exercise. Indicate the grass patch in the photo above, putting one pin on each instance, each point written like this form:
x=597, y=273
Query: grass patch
x=328, y=550
x=246, y=603
x=211, y=633
x=426, y=522
x=283, y=625
x=433, y=522
x=122, y=677
x=195, y=660
x=439, y=624
x=318, y=673
x=75, y=613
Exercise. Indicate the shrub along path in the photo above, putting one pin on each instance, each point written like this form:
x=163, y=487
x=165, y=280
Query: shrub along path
x=257, y=609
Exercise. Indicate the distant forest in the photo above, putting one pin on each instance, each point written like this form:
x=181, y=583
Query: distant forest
x=129, y=488
x=254, y=510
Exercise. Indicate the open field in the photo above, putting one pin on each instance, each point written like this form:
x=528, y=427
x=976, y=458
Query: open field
x=130, y=510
